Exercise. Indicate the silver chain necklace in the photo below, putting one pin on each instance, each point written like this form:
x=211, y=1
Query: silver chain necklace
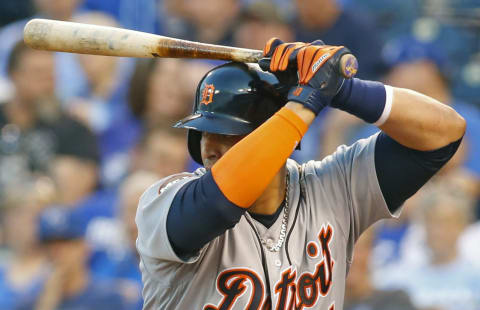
x=283, y=231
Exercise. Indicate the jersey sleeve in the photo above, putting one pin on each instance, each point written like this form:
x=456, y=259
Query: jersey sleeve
x=402, y=171
x=347, y=182
x=152, y=242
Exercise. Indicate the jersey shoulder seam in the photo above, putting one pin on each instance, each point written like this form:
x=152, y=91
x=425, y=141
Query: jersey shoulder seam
x=173, y=180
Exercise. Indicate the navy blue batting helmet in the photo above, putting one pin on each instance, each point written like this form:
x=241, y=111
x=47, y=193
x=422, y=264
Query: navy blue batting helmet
x=232, y=99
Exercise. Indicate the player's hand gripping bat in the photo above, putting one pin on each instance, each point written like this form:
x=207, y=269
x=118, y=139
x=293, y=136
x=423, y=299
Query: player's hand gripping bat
x=60, y=36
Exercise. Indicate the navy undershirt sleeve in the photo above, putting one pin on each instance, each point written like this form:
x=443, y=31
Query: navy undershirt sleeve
x=401, y=171
x=199, y=213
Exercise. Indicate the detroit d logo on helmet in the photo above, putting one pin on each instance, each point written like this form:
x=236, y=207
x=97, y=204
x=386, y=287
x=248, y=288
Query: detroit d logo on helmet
x=207, y=94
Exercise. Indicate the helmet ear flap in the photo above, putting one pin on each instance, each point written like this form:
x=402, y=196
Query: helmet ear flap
x=194, y=137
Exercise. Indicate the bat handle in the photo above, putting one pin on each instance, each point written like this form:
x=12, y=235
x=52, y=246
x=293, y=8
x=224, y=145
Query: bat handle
x=264, y=63
x=347, y=66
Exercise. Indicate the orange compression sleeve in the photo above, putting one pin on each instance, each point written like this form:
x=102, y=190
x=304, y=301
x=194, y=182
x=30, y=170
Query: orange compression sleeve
x=244, y=171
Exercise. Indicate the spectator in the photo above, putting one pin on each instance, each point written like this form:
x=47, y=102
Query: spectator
x=75, y=166
x=12, y=10
x=141, y=15
x=336, y=26
x=443, y=278
x=57, y=9
x=361, y=292
x=260, y=21
x=23, y=272
x=161, y=89
x=30, y=121
x=127, y=268
x=174, y=14
x=391, y=18
x=162, y=151
x=468, y=244
x=75, y=172
x=402, y=242
x=131, y=190
x=96, y=107
x=70, y=284
x=113, y=240
x=103, y=107
x=212, y=21
x=68, y=80
x=37, y=138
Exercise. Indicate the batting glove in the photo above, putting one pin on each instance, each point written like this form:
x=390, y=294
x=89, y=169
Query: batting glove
x=319, y=79
x=280, y=59
x=282, y=55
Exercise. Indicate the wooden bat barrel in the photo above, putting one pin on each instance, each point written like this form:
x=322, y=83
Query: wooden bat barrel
x=60, y=36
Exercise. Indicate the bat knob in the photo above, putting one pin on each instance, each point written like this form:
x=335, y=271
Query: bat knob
x=348, y=66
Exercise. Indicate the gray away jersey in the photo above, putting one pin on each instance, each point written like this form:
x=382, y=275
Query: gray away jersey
x=341, y=198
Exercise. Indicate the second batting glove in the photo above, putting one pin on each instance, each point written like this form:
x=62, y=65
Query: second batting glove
x=319, y=79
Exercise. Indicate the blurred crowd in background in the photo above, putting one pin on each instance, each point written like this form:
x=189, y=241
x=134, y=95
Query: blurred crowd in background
x=82, y=136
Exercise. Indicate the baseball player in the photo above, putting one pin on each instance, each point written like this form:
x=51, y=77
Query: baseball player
x=255, y=230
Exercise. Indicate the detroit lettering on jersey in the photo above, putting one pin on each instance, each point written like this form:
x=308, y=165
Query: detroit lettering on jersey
x=293, y=292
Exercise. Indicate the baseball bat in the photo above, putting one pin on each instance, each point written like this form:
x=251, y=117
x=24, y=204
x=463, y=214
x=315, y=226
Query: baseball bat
x=61, y=36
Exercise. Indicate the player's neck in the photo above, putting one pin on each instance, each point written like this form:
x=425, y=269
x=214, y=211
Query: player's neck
x=272, y=197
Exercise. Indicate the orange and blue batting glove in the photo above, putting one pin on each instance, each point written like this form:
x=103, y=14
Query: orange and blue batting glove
x=280, y=59
x=282, y=55
x=319, y=78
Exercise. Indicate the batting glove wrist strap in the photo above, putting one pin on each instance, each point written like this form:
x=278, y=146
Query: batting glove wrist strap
x=364, y=99
x=312, y=98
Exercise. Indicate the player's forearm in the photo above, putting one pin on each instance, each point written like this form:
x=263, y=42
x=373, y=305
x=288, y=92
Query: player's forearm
x=305, y=114
x=422, y=123
x=245, y=171
x=410, y=118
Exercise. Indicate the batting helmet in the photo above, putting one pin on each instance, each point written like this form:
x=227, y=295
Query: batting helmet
x=232, y=99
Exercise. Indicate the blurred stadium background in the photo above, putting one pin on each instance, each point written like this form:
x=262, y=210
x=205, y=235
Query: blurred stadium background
x=81, y=137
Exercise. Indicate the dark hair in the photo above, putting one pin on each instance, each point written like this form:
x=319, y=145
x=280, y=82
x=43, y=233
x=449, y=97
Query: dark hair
x=15, y=55
x=137, y=94
x=76, y=140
